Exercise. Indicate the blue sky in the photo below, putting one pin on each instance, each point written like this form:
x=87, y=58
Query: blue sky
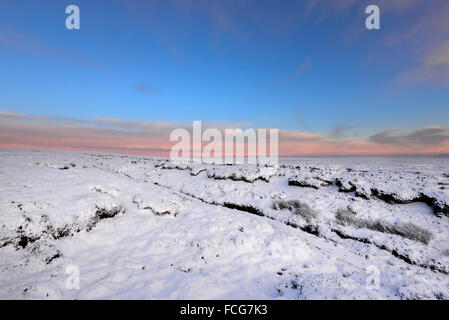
x=308, y=66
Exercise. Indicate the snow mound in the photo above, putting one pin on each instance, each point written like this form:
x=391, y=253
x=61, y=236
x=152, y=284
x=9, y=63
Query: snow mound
x=159, y=206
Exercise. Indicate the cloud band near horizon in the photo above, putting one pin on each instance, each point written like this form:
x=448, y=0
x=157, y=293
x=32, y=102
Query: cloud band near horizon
x=152, y=138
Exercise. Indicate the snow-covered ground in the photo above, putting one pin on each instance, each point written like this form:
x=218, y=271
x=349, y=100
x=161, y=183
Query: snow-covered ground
x=143, y=228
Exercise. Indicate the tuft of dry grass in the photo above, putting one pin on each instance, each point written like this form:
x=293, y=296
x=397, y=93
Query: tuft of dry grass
x=296, y=207
x=347, y=217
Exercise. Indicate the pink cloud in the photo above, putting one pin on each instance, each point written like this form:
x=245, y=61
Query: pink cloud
x=152, y=137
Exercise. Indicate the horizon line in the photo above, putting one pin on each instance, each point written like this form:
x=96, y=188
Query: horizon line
x=392, y=155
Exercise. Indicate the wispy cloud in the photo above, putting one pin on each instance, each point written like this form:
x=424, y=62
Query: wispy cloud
x=429, y=136
x=420, y=30
x=148, y=89
x=434, y=68
x=33, y=46
x=340, y=130
x=291, y=77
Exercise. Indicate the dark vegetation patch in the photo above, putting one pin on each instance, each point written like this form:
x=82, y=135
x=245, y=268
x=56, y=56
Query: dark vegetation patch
x=24, y=241
x=66, y=167
x=21, y=240
x=103, y=213
x=345, y=187
x=235, y=177
x=197, y=172
x=308, y=183
x=50, y=259
x=242, y=207
x=296, y=207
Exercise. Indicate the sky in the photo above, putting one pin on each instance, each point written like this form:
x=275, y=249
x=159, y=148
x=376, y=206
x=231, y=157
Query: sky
x=136, y=69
